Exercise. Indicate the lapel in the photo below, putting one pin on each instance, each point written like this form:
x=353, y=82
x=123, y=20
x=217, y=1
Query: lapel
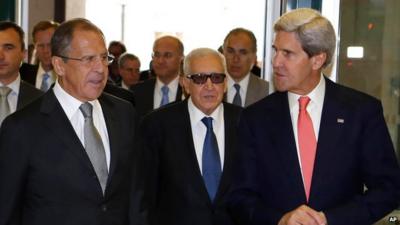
x=285, y=144
x=329, y=133
x=252, y=90
x=113, y=127
x=230, y=122
x=189, y=152
x=149, y=93
x=56, y=121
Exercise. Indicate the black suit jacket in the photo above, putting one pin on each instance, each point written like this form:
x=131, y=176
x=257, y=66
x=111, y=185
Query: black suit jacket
x=27, y=94
x=144, y=96
x=28, y=73
x=120, y=92
x=354, y=149
x=51, y=180
x=172, y=190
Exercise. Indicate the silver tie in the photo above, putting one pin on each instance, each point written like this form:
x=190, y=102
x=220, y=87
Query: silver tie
x=4, y=106
x=94, y=146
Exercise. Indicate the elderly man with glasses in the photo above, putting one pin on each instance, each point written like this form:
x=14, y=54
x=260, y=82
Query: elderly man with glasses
x=188, y=149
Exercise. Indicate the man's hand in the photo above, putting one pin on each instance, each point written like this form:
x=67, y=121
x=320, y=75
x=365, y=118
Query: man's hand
x=303, y=215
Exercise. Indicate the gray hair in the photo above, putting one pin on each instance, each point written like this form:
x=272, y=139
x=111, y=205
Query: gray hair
x=200, y=53
x=62, y=37
x=127, y=56
x=315, y=32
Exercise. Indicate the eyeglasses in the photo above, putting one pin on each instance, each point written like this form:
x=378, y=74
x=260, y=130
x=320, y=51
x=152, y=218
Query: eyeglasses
x=89, y=60
x=201, y=78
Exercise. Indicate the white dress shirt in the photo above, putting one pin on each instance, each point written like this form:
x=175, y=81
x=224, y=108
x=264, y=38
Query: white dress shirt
x=71, y=106
x=244, y=83
x=39, y=77
x=12, y=98
x=199, y=130
x=173, y=89
x=314, y=109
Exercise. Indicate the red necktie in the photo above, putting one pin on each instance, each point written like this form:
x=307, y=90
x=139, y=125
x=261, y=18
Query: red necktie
x=307, y=143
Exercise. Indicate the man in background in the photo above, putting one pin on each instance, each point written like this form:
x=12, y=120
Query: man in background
x=116, y=49
x=14, y=93
x=153, y=93
x=129, y=69
x=42, y=76
x=240, y=51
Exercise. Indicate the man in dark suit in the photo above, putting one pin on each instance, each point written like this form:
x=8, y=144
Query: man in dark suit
x=175, y=187
x=314, y=152
x=81, y=172
x=240, y=51
x=153, y=93
x=42, y=76
x=12, y=48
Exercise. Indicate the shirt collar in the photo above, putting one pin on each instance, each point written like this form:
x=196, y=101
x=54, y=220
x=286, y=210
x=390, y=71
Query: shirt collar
x=69, y=103
x=196, y=115
x=243, y=83
x=316, y=95
x=14, y=85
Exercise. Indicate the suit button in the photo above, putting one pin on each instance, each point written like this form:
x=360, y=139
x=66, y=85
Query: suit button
x=104, y=207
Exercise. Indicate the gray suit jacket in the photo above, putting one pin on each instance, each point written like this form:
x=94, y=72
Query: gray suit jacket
x=256, y=90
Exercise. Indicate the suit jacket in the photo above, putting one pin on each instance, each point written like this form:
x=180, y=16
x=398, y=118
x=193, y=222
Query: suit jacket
x=120, y=93
x=27, y=94
x=51, y=180
x=144, y=96
x=28, y=73
x=354, y=148
x=256, y=90
x=172, y=191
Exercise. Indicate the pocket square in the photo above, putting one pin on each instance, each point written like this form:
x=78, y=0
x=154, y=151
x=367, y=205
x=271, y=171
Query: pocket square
x=340, y=120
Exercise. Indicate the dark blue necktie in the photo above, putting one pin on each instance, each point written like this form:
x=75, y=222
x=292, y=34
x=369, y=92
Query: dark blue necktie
x=211, y=163
x=237, y=100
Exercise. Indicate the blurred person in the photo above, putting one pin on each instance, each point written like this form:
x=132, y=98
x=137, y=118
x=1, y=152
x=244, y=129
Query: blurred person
x=116, y=49
x=81, y=172
x=188, y=151
x=42, y=76
x=14, y=93
x=314, y=152
x=168, y=53
x=240, y=51
x=129, y=69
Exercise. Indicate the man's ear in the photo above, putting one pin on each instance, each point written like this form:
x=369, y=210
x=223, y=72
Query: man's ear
x=58, y=65
x=318, y=61
x=185, y=84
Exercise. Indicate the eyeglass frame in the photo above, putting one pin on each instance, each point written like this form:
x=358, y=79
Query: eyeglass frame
x=207, y=76
x=89, y=59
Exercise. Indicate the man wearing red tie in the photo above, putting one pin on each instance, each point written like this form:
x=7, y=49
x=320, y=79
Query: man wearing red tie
x=314, y=152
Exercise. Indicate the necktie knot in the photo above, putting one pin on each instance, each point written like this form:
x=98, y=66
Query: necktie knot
x=45, y=86
x=5, y=91
x=86, y=109
x=237, y=87
x=46, y=76
x=208, y=122
x=303, y=102
x=165, y=98
x=165, y=90
x=237, y=100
